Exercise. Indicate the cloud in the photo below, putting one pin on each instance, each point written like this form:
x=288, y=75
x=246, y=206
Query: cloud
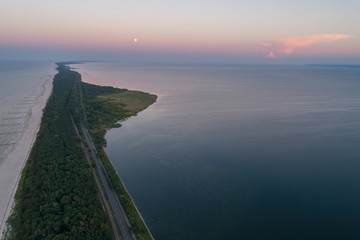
x=271, y=54
x=287, y=46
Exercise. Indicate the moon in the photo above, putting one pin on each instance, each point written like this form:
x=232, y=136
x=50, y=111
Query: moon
x=135, y=39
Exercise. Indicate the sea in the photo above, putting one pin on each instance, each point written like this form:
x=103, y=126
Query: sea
x=240, y=151
x=21, y=83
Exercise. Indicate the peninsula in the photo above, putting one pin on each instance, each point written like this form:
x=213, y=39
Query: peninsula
x=69, y=188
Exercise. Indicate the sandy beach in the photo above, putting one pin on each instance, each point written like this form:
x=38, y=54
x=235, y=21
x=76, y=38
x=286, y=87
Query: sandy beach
x=11, y=166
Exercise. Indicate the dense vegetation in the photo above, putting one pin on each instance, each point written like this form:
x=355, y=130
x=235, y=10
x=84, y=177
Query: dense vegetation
x=57, y=196
x=104, y=107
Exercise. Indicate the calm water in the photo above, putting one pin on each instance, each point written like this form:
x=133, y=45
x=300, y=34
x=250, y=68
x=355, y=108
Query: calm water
x=21, y=82
x=233, y=152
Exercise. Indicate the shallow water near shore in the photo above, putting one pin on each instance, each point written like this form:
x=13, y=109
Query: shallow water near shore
x=25, y=87
x=21, y=84
x=240, y=152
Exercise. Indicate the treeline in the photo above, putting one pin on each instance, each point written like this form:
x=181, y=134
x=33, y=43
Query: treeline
x=57, y=196
x=103, y=110
x=100, y=114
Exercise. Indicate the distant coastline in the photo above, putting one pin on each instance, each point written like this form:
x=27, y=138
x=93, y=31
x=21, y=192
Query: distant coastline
x=334, y=65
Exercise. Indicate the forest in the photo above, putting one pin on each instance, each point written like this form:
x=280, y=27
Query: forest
x=103, y=108
x=57, y=196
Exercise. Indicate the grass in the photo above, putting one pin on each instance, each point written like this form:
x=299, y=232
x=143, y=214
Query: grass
x=104, y=108
x=56, y=196
x=130, y=102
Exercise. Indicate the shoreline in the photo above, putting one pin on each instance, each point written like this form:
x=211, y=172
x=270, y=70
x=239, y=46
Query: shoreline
x=132, y=216
x=12, y=166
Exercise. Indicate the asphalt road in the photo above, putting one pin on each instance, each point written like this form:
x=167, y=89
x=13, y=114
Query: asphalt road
x=107, y=194
x=118, y=211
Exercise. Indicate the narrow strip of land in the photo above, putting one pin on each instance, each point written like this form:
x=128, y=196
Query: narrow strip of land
x=69, y=188
x=103, y=108
x=107, y=106
x=103, y=196
x=57, y=196
x=112, y=205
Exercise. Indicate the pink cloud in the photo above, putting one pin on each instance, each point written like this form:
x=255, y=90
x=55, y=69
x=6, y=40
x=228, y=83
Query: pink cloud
x=287, y=46
x=271, y=54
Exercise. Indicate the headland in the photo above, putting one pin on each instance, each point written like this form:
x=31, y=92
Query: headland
x=68, y=188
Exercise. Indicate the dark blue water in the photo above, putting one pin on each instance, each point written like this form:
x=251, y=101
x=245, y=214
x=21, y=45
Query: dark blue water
x=231, y=152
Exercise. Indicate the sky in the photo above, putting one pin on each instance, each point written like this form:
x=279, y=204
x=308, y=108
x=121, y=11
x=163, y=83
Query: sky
x=320, y=31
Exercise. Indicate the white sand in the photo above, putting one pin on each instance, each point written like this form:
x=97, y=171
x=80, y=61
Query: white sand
x=11, y=167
